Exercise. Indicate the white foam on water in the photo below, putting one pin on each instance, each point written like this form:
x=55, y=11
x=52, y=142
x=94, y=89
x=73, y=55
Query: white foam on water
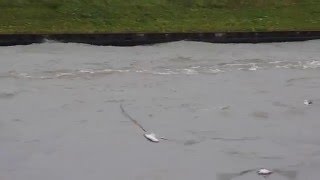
x=141, y=71
x=36, y=60
x=25, y=75
x=275, y=62
x=311, y=64
x=195, y=67
x=87, y=71
x=189, y=71
x=254, y=67
x=215, y=70
x=64, y=74
x=115, y=70
x=237, y=64
x=45, y=77
x=162, y=73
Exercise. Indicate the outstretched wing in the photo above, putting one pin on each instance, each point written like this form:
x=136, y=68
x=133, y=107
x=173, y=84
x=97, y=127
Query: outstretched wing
x=246, y=171
x=133, y=120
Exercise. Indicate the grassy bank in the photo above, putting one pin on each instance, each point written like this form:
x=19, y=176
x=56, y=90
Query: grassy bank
x=60, y=16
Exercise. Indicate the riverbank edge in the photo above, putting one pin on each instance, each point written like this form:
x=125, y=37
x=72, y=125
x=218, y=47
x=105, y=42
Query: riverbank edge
x=132, y=39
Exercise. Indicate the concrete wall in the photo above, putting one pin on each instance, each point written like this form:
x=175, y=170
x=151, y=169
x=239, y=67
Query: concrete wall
x=130, y=39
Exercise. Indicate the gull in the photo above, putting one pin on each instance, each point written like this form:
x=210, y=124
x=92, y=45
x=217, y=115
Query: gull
x=307, y=102
x=152, y=137
x=265, y=173
x=148, y=135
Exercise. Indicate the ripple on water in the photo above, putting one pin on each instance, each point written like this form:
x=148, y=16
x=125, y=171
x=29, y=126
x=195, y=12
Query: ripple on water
x=170, y=69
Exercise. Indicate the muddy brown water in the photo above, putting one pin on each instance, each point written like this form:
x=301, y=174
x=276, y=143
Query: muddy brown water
x=226, y=107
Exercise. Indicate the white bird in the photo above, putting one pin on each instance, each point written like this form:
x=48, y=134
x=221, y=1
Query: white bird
x=264, y=172
x=307, y=102
x=150, y=136
x=291, y=175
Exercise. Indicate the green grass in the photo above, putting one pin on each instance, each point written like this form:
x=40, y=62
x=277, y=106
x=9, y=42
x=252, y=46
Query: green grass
x=87, y=16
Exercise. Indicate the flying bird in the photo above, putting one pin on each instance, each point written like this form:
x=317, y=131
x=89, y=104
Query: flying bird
x=307, y=102
x=148, y=135
x=152, y=136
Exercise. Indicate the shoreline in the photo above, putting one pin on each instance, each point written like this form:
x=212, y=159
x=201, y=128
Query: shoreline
x=132, y=39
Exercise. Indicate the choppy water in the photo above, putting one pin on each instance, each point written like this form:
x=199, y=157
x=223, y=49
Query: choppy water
x=58, y=60
x=226, y=107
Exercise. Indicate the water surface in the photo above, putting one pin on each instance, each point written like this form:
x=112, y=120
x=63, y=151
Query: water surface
x=226, y=107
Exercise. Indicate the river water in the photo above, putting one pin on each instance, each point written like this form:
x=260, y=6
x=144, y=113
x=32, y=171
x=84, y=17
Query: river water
x=225, y=108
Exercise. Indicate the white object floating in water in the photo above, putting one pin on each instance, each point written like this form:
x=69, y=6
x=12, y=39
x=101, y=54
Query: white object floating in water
x=225, y=107
x=264, y=172
x=151, y=137
x=307, y=102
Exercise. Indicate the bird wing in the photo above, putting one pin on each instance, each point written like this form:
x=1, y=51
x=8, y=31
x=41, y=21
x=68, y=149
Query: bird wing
x=246, y=171
x=133, y=120
x=230, y=176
